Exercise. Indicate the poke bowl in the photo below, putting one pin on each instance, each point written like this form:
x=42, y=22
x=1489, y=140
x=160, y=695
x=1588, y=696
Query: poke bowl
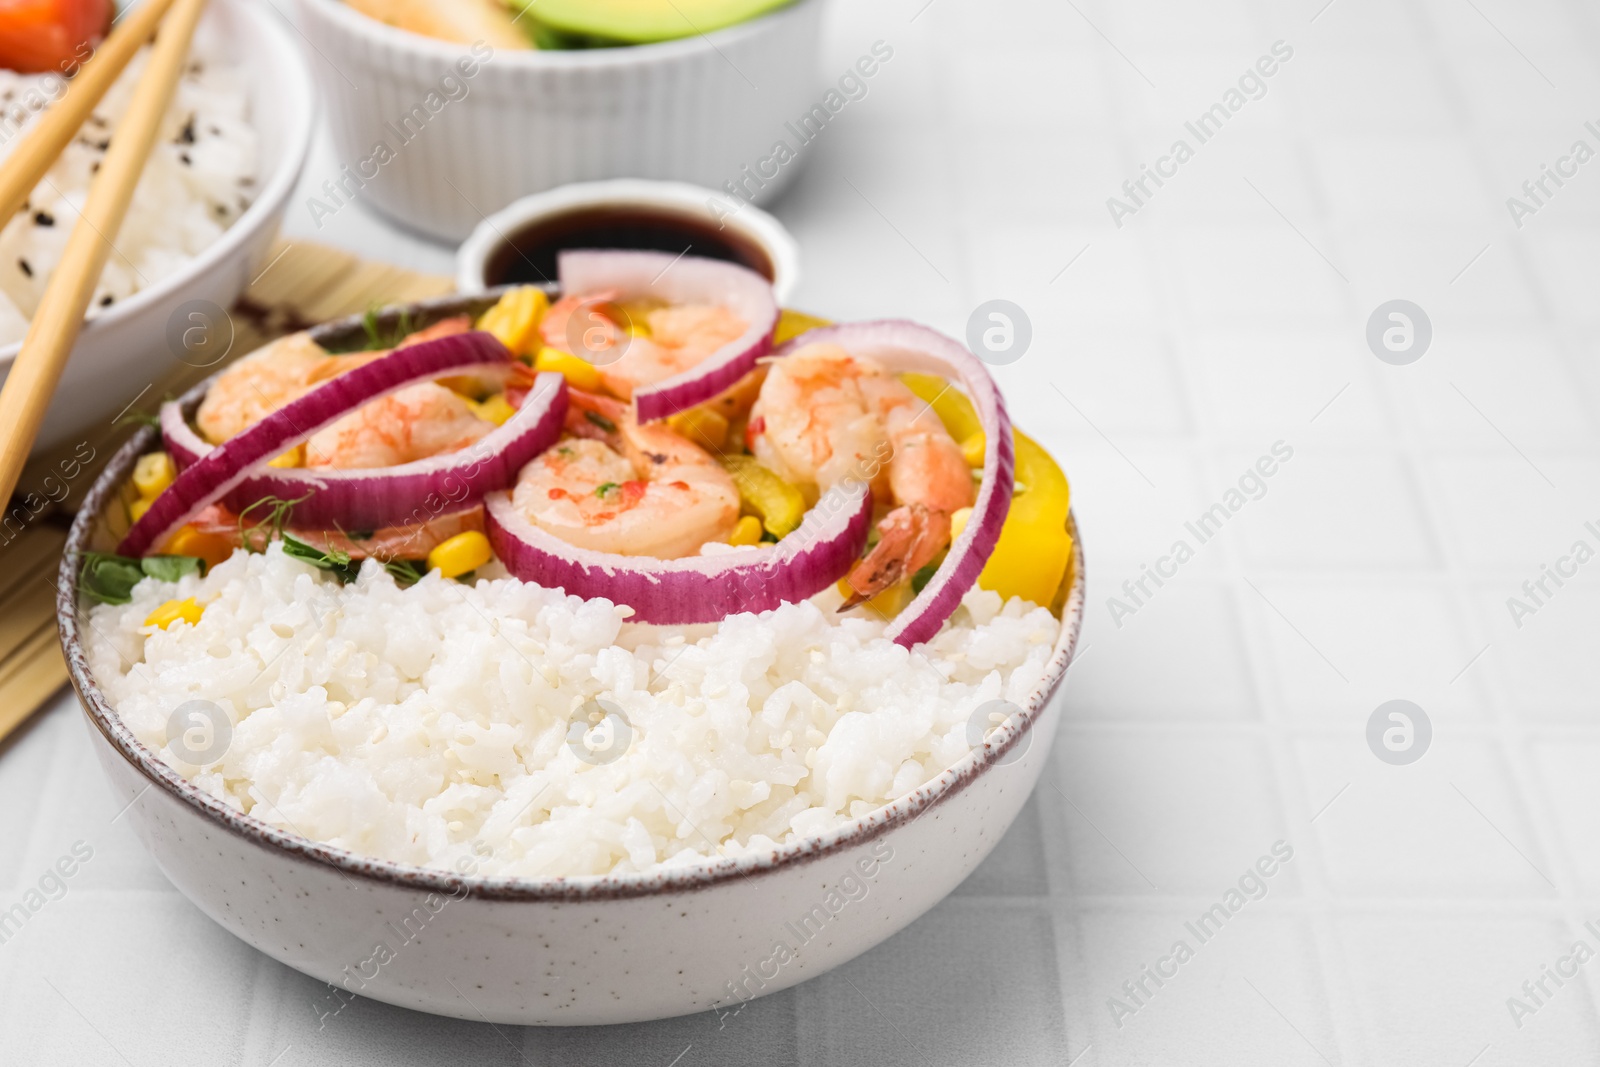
x=231, y=149
x=548, y=782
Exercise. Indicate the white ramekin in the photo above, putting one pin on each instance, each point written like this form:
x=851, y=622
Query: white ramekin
x=660, y=200
x=131, y=346
x=696, y=110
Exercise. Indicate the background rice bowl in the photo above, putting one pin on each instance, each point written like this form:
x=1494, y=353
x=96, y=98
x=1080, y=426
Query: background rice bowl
x=309, y=904
x=126, y=347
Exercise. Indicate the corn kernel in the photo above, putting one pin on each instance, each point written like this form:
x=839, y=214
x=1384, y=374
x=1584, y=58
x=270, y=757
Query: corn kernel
x=295, y=457
x=958, y=521
x=580, y=373
x=153, y=473
x=137, y=509
x=462, y=553
x=973, y=448
x=188, y=541
x=188, y=610
x=515, y=319
x=497, y=409
x=747, y=531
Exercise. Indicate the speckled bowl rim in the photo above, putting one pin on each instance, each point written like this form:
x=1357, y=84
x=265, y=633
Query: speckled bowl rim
x=589, y=888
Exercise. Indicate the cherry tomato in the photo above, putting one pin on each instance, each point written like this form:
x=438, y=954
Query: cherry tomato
x=46, y=35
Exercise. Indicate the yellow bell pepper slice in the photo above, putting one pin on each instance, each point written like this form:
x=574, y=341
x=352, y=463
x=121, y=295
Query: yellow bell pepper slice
x=1035, y=548
x=948, y=402
x=703, y=426
x=515, y=319
x=580, y=373
x=779, y=503
x=792, y=324
x=462, y=553
x=188, y=541
x=1031, y=558
x=889, y=603
x=497, y=409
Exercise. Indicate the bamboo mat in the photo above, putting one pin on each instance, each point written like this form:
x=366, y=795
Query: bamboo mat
x=301, y=284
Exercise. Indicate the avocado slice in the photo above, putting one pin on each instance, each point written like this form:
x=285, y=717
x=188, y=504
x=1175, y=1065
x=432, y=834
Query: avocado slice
x=643, y=21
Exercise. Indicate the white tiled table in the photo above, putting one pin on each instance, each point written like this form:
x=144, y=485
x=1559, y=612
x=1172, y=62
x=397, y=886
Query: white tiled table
x=1230, y=711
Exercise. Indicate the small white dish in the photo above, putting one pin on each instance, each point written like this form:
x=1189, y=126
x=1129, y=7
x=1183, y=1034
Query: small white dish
x=129, y=346
x=467, y=129
x=518, y=243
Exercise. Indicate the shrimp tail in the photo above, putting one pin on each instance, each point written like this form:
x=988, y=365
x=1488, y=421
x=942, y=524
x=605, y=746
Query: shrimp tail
x=909, y=536
x=597, y=417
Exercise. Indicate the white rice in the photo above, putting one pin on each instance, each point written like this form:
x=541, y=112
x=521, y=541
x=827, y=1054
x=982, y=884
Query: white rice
x=427, y=724
x=191, y=191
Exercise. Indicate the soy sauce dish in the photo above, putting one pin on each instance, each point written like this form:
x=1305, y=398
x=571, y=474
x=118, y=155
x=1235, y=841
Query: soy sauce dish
x=598, y=652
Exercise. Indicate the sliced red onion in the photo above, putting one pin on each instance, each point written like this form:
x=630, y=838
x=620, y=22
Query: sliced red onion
x=698, y=588
x=221, y=470
x=906, y=346
x=682, y=280
x=374, y=498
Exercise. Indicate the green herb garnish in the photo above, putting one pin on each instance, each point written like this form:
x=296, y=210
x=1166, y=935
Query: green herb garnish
x=343, y=566
x=278, y=512
x=601, y=421
x=171, y=568
x=377, y=340
x=139, y=418
x=110, y=579
x=406, y=571
x=339, y=563
x=923, y=576
x=604, y=488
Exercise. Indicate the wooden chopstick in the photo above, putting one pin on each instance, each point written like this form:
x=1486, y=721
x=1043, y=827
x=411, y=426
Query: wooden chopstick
x=294, y=290
x=37, y=370
x=37, y=153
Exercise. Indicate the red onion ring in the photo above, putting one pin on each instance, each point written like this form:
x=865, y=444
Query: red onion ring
x=699, y=588
x=682, y=280
x=221, y=470
x=372, y=499
x=907, y=346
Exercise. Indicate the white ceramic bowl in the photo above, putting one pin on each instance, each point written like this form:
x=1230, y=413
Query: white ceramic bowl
x=126, y=348
x=750, y=230
x=695, y=110
x=559, y=951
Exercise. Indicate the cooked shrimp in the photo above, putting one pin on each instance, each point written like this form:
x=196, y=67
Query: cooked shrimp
x=671, y=340
x=825, y=416
x=419, y=421
x=260, y=384
x=624, y=488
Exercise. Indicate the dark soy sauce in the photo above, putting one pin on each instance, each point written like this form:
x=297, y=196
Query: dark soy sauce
x=529, y=254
